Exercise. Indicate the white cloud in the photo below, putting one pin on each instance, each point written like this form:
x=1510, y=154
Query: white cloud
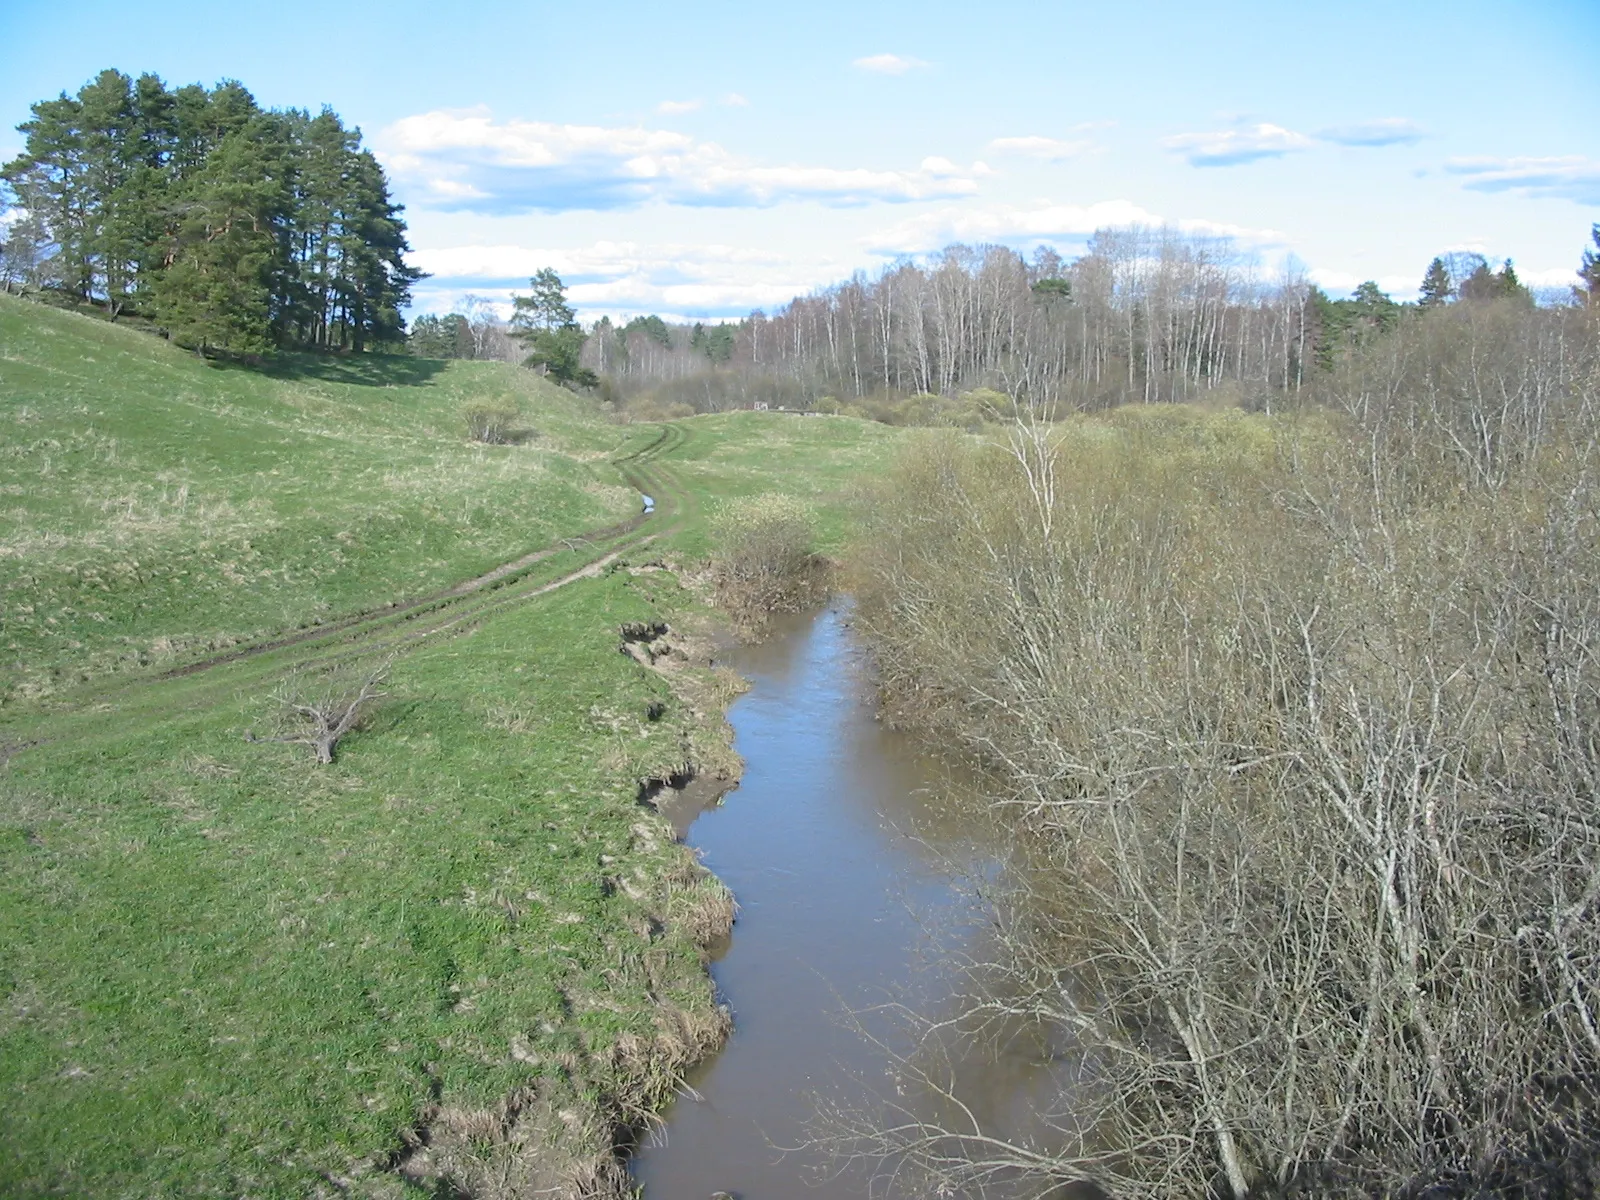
x=1048, y=149
x=1339, y=283
x=887, y=64
x=465, y=159
x=1228, y=147
x=1555, y=278
x=1249, y=143
x=673, y=108
x=1385, y=131
x=621, y=279
x=1056, y=224
x=1566, y=177
x=734, y=100
x=1006, y=224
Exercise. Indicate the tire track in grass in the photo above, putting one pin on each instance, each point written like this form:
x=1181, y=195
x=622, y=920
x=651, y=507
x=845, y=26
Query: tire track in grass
x=401, y=625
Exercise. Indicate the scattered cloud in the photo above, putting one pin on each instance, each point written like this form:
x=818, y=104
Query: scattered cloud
x=464, y=159
x=733, y=100
x=1229, y=147
x=1385, y=131
x=673, y=108
x=622, y=279
x=1048, y=149
x=1567, y=177
x=1053, y=224
x=1250, y=143
x=888, y=64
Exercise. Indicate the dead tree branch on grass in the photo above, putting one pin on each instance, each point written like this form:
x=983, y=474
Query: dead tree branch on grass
x=324, y=717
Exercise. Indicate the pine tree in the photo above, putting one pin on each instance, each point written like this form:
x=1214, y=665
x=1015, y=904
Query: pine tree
x=216, y=291
x=548, y=326
x=50, y=182
x=128, y=182
x=1436, y=288
x=545, y=307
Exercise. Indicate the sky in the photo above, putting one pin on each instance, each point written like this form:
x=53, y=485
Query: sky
x=703, y=162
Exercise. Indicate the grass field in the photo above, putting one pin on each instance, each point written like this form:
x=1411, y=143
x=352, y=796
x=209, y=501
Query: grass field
x=461, y=955
x=818, y=460
x=153, y=506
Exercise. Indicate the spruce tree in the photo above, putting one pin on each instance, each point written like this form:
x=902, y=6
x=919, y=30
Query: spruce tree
x=1480, y=285
x=1510, y=287
x=1436, y=289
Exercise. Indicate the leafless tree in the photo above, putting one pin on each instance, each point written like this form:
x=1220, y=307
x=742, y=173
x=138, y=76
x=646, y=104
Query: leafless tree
x=319, y=714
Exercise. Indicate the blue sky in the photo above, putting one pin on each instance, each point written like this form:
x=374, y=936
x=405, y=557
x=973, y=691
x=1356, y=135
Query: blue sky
x=707, y=160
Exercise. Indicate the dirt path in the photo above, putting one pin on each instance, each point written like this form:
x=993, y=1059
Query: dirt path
x=398, y=624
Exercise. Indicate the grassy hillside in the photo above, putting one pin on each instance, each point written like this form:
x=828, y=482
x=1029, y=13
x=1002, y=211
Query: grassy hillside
x=457, y=957
x=153, y=505
x=225, y=970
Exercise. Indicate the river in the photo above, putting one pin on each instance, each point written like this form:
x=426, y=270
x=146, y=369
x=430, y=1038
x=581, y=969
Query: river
x=846, y=859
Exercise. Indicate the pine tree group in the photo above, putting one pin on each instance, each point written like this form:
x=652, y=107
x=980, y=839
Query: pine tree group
x=235, y=227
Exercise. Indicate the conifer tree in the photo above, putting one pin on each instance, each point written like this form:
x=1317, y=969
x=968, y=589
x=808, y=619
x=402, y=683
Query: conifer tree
x=1436, y=288
x=1481, y=284
x=140, y=196
x=1510, y=287
x=545, y=323
x=217, y=288
x=1589, y=269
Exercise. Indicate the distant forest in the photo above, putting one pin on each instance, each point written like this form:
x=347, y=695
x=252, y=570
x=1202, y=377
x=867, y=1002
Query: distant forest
x=232, y=227
x=1144, y=315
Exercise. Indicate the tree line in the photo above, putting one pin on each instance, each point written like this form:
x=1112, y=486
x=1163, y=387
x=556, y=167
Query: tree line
x=1150, y=315
x=234, y=227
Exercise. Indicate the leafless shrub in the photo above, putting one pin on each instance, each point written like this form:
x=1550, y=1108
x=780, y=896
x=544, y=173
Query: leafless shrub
x=1298, y=727
x=764, y=560
x=319, y=713
x=493, y=422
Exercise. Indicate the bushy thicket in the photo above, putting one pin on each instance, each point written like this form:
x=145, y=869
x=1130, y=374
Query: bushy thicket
x=495, y=422
x=1294, y=725
x=764, y=561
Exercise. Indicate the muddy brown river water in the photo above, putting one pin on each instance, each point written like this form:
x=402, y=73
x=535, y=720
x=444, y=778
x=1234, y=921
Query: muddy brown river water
x=845, y=855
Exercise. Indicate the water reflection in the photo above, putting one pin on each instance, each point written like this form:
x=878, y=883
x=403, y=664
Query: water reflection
x=844, y=850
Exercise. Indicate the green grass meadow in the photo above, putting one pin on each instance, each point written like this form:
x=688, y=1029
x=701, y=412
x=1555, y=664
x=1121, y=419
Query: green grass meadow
x=819, y=460
x=227, y=971
x=154, y=506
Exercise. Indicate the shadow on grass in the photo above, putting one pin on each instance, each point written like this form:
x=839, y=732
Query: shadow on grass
x=353, y=370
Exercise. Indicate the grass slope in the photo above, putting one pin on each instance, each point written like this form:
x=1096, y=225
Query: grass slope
x=226, y=971
x=153, y=506
x=818, y=460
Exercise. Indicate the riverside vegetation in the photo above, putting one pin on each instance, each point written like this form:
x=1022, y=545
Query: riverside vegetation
x=461, y=955
x=1293, y=721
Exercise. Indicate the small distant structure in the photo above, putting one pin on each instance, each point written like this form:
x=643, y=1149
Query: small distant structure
x=759, y=406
